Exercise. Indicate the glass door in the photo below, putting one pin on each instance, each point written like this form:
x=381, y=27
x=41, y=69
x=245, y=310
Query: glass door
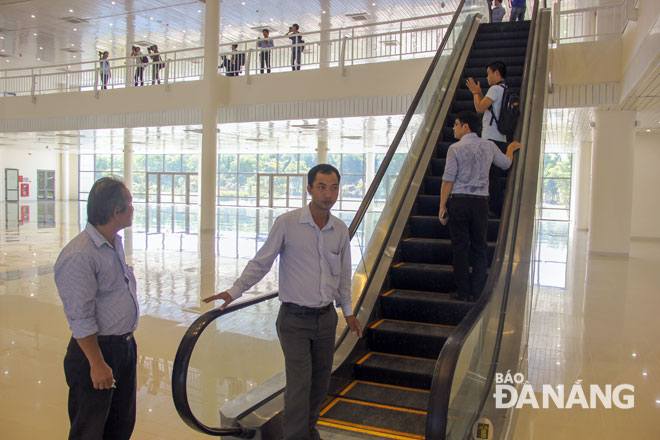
x=11, y=184
x=281, y=190
x=46, y=184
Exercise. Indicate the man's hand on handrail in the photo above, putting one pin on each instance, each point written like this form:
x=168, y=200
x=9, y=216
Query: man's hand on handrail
x=225, y=296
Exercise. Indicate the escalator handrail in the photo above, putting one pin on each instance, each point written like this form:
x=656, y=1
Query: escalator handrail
x=447, y=362
x=182, y=361
x=190, y=338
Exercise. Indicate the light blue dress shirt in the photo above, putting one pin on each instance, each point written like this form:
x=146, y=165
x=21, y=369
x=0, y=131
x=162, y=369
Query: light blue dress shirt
x=97, y=287
x=468, y=163
x=315, y=264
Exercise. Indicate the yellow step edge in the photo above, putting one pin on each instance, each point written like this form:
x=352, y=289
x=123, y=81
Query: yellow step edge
x=348, y=388
x=397, y=387
x=393, y=355
x=377, y=323
x=388, y=292
x=366, y=430
x=375, y=405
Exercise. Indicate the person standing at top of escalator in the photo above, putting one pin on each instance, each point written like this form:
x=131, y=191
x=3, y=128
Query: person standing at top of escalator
x=517, y=10
x=156, y=64
x=315, y=271
x=296, y=46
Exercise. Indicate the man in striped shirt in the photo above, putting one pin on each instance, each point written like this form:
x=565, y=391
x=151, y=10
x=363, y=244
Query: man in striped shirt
x=98, y=291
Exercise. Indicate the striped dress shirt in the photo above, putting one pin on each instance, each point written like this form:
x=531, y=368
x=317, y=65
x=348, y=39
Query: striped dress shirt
x=97, y=287
x=315, y=264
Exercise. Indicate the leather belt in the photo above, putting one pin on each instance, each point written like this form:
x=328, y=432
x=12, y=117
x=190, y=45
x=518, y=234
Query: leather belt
x=116, y=339
x=302, y=310
x=467, y=196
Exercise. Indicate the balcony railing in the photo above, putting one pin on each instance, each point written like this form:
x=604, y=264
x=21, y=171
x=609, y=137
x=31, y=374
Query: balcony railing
x=416, y=37
x=588, y=24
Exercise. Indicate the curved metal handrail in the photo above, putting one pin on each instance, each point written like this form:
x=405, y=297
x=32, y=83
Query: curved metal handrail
x=443, y=375
x=190, y=338
x=182, y=361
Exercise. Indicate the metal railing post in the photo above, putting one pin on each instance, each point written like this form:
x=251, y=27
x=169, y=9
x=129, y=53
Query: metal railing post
x=248, y=58
x=167, y=70
x=34, y=83
x=555, y=29
x=342, y=56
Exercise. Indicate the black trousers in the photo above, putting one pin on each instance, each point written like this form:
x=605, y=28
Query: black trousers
x=497, y=184
x=296, y=55
x=102, y=414
x=264, y=57
x=139, y=76
x=468, y=226
x=308, y=341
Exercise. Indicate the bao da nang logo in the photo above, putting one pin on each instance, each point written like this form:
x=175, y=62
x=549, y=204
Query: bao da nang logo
x=507, y=395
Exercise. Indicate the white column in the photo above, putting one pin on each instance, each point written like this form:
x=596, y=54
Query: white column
x=128, y=181
x=130, y=38
x=611, y=182
x=322, y=142
x=208, y=165
x=209, y=159
x=583, y=186
x=324, y=58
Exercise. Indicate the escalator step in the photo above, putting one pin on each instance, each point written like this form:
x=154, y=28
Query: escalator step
x=432, y=250
x=437, y=166
x=480, y=71
x=485, y=61
x=498, y=42
x=513, y=81
x=494, y=52
x=504, y=26
x=428, y=204
x=428, y=226
x=384, y=394
x=516, y=35
x=441, y=149
x=425, y=277
x=393, y=369
x=408, y=338
x=432, y=184
x=435, y=308
x=407, y=423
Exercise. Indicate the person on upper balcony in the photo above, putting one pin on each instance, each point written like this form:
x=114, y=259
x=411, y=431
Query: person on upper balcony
x=498, y=12
x=233, y=64
x=265, y=45
x=517, y=10
x=104, y=68
x=296, y=46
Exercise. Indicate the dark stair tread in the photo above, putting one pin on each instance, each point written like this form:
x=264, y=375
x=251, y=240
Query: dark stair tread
x=411, y=398
x=397, y=363
x=432, y=241
x=413, y=328
x=431, y=307
x=391, y=420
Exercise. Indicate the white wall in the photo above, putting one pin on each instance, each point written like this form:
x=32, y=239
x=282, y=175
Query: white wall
x=646, y=181
x=28, y=162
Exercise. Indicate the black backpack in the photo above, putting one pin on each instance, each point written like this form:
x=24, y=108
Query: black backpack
x=509, y=112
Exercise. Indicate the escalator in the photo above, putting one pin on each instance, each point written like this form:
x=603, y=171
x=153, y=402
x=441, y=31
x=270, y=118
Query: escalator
x=386, y=385
x=416, y=312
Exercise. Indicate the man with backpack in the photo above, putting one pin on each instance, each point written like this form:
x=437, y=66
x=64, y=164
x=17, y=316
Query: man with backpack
x=500, y=113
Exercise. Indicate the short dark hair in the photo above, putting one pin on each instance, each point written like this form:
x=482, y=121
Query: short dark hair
x=106, y=195
x=471, y=119
x=498, y=66
x=296, y=25
x=322, y=168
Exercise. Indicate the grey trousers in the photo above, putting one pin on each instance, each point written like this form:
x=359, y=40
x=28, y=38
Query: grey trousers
x=308, y=342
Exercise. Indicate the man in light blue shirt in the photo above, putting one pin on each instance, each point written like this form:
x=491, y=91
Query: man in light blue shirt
x=498, y=12
x=98, y=291
x=265, y=44
x=314, y=271
x=464, y=201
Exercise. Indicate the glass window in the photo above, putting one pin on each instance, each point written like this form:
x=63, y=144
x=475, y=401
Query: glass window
x=227, y=185
x=335, y=160
x=139, y=162
x=102, y=163
x=267, y=163
x=227, y=163
x=155, y=162
x=86, y=181
x=118, y=163
x=190, y=163
x=172, y=162
x=86, y=162
x=247, y=163
x=288, y=163
x=307, y=162
x=353, y=164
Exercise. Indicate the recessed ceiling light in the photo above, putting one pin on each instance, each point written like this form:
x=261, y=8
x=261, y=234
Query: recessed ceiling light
x=322, y=12
x=75, y=30
x=33, y=16
x=41, y=48
x=2, y=50
x=34, y=35
x=74, y=56
x=7, y=60
x=184, y=31
x=70, y=10
x=110, y=24
x=373, y=4
x=2, y=37
x=151, y=18
x=648, y=130
x=111, y=41
x=38, y=59
x=72, y=44
x=113, y=3
x=243, y=3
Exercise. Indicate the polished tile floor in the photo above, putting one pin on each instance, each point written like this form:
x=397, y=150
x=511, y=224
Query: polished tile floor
x=594, y=319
